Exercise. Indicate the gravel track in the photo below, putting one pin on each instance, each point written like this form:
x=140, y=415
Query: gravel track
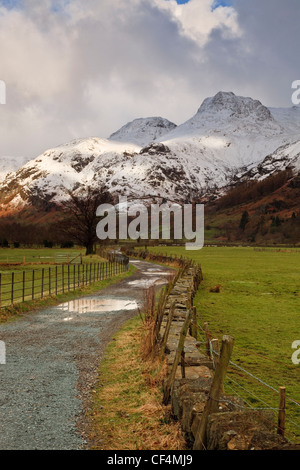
x=52, y=359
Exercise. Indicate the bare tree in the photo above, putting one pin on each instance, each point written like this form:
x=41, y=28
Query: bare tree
x=80, y=219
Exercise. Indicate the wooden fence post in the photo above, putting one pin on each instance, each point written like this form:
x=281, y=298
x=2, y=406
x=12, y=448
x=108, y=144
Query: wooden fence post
x=281, y=413
x=212, y=404
x=12, y=287
x=208, y=338
x=194, y=329
x=215, y=351
x=167, y=330
x=63, y=278
x=23, y=287
x=178, y=353
x=32, y=293
x=42, y=286
x=183, y=364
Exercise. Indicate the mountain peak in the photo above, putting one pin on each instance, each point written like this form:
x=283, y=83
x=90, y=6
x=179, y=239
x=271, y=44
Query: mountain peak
x=142, y=131
x=235, y=106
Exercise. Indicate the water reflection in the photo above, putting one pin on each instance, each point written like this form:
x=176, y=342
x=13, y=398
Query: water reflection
x=145, y=283
x=97, y=305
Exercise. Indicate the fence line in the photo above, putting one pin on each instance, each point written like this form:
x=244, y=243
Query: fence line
x=260, y=381
x=58, y=257
x=19, y=286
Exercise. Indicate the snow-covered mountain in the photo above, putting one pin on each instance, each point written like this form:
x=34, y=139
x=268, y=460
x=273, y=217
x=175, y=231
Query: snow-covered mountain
x=10, y=165
x=142, y=131
x=228, y=136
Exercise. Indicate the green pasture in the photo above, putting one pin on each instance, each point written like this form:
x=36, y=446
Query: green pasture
x=259, y=305
x=13, y=256
x=35, y=273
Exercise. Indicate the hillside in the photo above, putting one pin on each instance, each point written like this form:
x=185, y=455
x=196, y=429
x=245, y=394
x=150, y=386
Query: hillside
x=257, y=212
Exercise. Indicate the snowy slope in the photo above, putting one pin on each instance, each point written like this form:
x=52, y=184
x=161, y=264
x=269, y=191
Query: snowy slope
x=10, y=165
x=286, y=157
x=289, y=118
x=228, y=136
x=142, y=131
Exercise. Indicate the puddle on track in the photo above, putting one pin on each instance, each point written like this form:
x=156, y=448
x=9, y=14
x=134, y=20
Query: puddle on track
x=145, y=283
x=157, y=273
x=100, y=305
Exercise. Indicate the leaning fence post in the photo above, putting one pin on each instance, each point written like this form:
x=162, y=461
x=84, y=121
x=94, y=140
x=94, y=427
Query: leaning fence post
x=194, y=330
x=183, y=364
x=215, y=351
x=167, y=329
x=281, y=413
x=212, y=404
x=178, y=353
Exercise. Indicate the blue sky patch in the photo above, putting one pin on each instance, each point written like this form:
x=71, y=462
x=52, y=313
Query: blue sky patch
x=10, y=4
x=217, y=3
x=222, y=3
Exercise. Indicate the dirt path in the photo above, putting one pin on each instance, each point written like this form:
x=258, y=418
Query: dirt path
x=52, y=358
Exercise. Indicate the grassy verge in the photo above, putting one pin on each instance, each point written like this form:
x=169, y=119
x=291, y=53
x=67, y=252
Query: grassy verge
x=126, y=411
x=13, y=312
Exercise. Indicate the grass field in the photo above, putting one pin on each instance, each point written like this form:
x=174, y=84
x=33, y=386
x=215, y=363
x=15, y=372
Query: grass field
x=259, y=305
x=46, y=272
x=11, y=256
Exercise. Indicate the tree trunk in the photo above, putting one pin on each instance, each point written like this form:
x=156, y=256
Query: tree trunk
x=89, y=249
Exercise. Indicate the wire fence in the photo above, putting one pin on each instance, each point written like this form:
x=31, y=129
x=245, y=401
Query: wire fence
x=256, y=394
x=20, y=286
x=20, y=257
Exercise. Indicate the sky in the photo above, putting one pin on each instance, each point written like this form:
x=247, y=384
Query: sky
x=82, y=68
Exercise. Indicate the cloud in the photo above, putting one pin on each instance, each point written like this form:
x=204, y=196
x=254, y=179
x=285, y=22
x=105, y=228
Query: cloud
x=197, y=19
x=77, y=69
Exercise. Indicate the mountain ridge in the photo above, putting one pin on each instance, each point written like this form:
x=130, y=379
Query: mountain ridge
x=227, y=137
